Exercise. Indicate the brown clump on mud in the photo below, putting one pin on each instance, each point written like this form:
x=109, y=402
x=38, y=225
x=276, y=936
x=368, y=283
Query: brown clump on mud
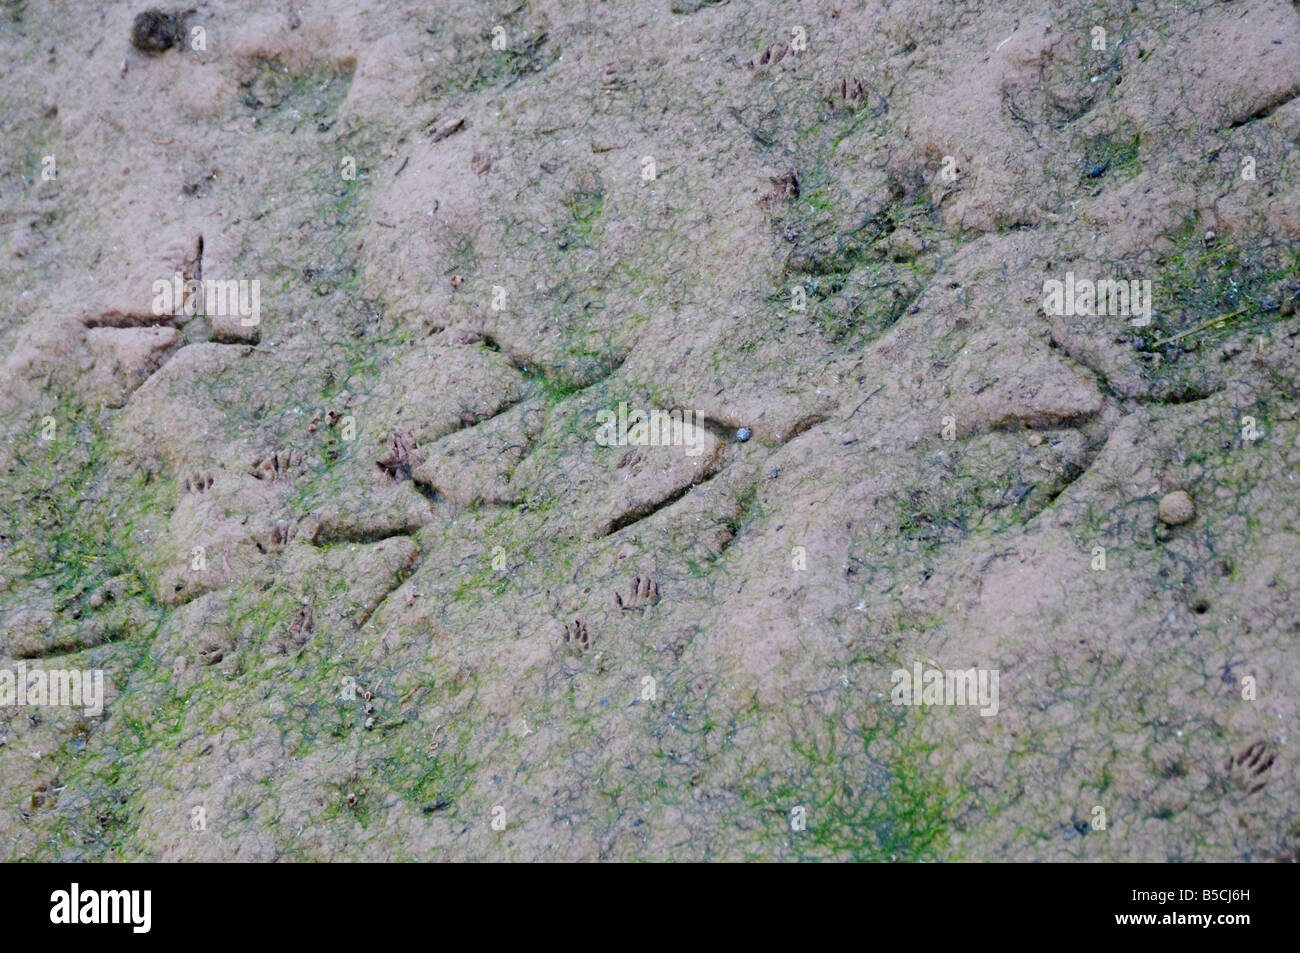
x=640, y=394
x=155, y=31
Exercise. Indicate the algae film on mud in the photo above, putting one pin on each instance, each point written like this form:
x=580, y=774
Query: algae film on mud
x=527, y=431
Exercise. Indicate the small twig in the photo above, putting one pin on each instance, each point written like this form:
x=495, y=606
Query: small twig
x=1009, y=36
x=1209, y=322
x=1015, y=114
x=448, y=129
x=753, y=132
x=865, y=399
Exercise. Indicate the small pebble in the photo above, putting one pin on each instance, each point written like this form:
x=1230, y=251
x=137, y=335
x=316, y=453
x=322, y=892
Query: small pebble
x=1177, y=508
x=743, y=434
x=1035, y=439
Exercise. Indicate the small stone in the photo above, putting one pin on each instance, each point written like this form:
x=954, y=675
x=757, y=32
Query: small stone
x=1035, y=440
x=743, y=434
x=1177, y=508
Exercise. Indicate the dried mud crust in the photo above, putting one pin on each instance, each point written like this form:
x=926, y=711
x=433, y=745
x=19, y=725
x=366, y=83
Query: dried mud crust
x=362, y=574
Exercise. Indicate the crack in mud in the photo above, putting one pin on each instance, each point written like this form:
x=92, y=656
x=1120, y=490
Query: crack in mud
x=1263, y=112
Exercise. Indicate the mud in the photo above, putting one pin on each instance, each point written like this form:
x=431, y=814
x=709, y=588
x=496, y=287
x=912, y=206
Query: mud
x=363, y=582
